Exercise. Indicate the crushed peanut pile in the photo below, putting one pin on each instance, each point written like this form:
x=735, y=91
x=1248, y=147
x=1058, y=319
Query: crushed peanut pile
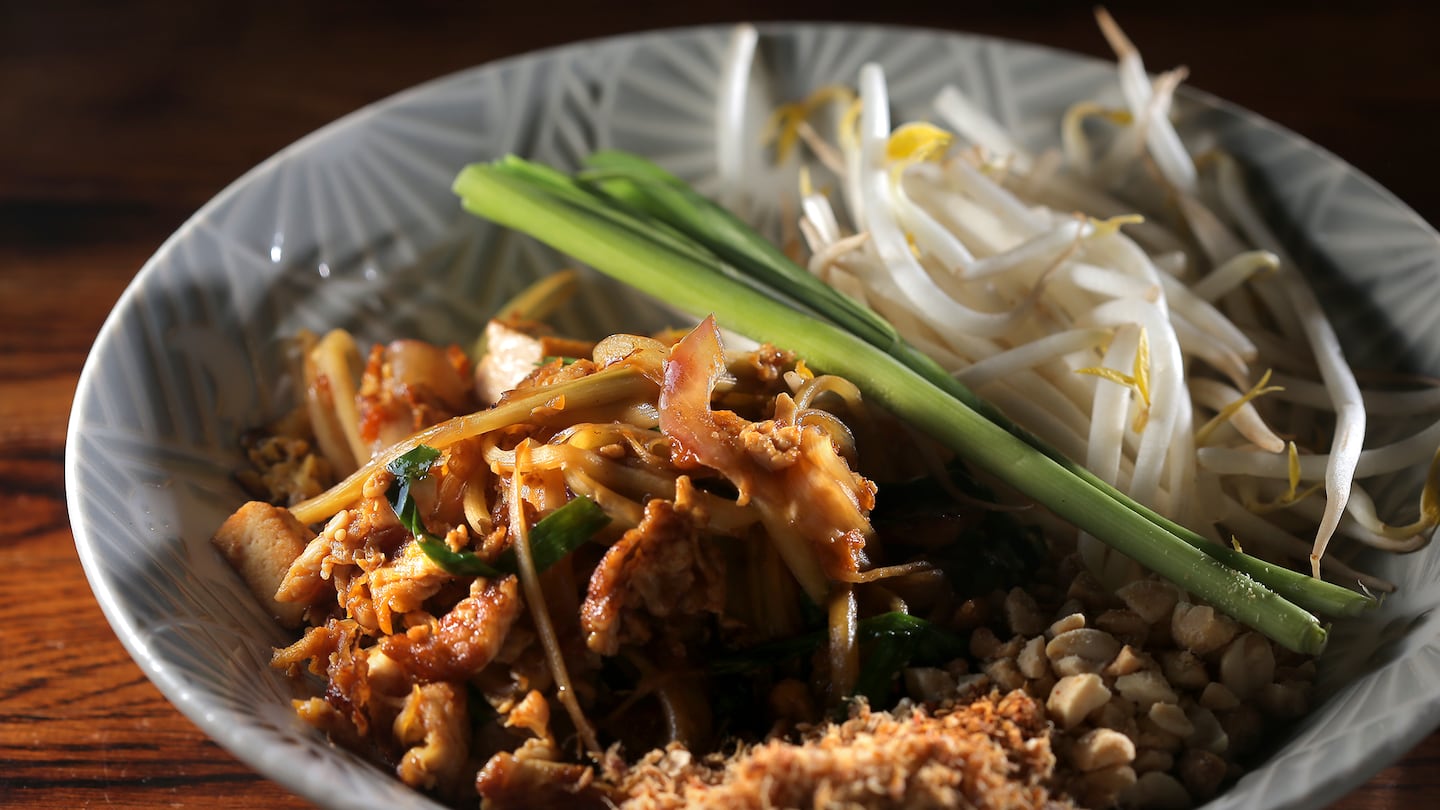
x=1156, y=701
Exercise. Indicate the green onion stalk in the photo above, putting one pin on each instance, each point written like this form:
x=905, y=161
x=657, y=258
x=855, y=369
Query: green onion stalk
x=633, y=181
x=622, y=240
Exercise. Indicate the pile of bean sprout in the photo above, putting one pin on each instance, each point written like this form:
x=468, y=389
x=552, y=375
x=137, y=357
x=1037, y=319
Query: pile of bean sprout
x=1119, y=297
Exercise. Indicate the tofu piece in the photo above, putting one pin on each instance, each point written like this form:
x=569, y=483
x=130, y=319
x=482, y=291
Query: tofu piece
x=511, y=356
x=514, y=351
x=260, y=541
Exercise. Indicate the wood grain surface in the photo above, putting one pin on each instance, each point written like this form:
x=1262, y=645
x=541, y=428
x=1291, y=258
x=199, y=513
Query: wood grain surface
x=117, y=121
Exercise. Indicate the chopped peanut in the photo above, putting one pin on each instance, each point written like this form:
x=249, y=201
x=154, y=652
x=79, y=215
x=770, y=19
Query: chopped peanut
x=1156, y=790
x=1184, y=669
x=1151, y=599
x=1022, y=614
x=1092, y=645
x=1101, y=788
x=1171, y=718
x=1247, y=665
x=1217, y=697
x=983, y=643
x=1209, y=734
x=1202, y=772
x=1128, y=660
x=1075, y=665
x=1032, y=660
x=1125, y=625
x=1066, y=623
x=1005, y=674
x=1089, y=592
x=1102, y=748
x=1242, y=727
x=1076, y=696
x=1145, y=688
x=1118, y=714
x=1199, y=629
x=1153, y=759
x=928, y=684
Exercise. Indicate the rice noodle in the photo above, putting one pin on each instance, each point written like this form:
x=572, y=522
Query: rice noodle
x=614, y=384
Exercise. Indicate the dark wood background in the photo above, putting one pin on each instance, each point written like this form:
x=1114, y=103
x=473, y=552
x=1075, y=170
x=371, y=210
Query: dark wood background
x=118, y=120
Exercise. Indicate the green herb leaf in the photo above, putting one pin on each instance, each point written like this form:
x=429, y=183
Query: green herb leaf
x=407, y=469
x=893, y=641
x=415, y=464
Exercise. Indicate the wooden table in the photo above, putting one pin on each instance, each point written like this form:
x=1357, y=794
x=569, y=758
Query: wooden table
x=116, y=124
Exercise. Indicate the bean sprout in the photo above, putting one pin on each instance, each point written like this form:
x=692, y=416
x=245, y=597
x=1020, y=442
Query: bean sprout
x=1122, y=256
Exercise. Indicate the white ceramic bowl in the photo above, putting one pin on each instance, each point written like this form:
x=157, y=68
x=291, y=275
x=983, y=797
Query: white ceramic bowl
x=355, y=226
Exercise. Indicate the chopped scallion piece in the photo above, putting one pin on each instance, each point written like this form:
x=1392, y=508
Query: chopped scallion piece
x=559, y=533
x=458, y=563
x=893, y=641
